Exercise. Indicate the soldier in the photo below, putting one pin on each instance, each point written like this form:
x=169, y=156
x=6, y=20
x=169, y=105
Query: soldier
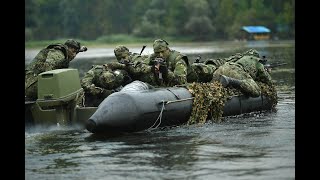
x=203, y=72
x=100, y=81
x=243, y=73
x=54, y=56
x=237, y=56
x=138, y=68
x=175, y=61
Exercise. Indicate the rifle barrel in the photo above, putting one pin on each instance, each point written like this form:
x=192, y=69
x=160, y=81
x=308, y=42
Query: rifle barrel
x=273, y=65
x=144, y=46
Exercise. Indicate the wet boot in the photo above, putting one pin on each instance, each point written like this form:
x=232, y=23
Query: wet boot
x=228, y=81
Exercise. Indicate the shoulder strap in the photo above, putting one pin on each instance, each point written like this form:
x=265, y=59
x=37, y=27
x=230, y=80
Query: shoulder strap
x=60, y=47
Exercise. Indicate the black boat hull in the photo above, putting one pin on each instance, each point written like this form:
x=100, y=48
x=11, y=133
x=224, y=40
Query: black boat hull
x=132, y=111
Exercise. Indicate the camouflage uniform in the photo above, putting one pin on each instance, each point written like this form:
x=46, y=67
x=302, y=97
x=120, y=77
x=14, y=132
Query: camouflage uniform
x=54, y=56
x=247, y=69
x=203, y=72
x=100, y=81
x=237, y=56
x=138, y=68
x=176, y=62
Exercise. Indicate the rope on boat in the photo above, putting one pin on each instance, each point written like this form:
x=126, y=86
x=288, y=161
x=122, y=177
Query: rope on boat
x=161, y=112
x=179, y=100
x=159, y=118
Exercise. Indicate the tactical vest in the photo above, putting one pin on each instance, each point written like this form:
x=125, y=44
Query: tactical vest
x=34, y=68
x=42, y=56
x=172, y=59
x=249, y=64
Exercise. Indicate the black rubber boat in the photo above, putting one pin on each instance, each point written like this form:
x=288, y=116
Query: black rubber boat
x=137, y=107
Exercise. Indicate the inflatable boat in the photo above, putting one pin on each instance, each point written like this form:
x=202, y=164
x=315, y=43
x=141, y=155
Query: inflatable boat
x=136, y=107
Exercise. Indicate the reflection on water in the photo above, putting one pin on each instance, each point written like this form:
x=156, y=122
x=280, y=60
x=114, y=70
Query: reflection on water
x=249, y=146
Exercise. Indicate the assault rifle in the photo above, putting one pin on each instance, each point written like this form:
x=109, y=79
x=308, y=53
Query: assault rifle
x=271, y=65
x=160, y=61
x=275, y=64
x=159, y=67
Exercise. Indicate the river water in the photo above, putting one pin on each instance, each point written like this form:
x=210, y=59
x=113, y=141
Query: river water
x=250, y=146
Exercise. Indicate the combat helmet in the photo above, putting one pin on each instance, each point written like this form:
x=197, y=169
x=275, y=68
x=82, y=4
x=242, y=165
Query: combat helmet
x=252, y=52
x=120, y=52
x=73, y=43
x=122, y=77
x=112, y=80
x=160, y=45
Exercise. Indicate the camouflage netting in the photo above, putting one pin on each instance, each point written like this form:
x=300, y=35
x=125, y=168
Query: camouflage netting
x=270, y=92
x=209, y=100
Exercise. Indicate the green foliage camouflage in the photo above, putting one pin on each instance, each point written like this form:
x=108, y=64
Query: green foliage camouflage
x=269, y=91
x=209, y=100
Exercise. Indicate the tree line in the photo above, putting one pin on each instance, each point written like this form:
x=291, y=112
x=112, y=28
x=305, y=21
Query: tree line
x=198, y=20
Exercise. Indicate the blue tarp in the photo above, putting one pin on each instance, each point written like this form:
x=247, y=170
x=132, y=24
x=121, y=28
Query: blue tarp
x=256, y=29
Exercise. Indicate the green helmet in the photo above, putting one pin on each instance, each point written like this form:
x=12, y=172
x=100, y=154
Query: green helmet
x=160, y=45
x=122, y=77
x=252, y=52
x=106, y=80
x=121, y=51
x=73, y=43
x=112, y=80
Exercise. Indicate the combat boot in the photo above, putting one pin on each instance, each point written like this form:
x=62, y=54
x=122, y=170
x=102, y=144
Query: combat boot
x=228, y=81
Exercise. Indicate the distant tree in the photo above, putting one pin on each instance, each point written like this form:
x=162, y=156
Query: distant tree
x=199, y=25
x=200, y=28
x=31, y=18
x=200, y=19
x=225, y=17
x=153, y=21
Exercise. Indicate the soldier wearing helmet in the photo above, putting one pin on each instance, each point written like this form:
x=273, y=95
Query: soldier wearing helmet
x=242, y=71
x=175, y=61
x=54, y=56
x=139, y=69
x=122, y=53
x=203, y=71
x=100, y=81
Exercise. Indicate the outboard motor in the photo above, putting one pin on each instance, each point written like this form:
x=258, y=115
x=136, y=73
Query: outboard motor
x=58, y=93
